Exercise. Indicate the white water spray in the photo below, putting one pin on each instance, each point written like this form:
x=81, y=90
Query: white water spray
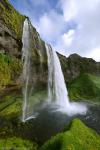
x=57, y=91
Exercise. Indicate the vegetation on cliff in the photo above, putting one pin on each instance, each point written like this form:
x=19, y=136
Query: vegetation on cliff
x=85, y=87
x=10, y=68
x=76, y=137
x=15, y=143
x=12, y=18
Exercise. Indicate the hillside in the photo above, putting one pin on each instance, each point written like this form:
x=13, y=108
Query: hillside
x=82, y=76
x=85, y=87
x=76, y=137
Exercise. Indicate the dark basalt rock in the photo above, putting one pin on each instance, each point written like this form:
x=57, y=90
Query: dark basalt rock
x=74, y=65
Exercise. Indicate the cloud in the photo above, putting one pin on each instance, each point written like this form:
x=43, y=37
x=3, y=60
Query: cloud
x=70, y=26
x=95, y=53
x=51, y=26
x=67, y=38
x=69, y=8
x=75, y=30
x=86, y=37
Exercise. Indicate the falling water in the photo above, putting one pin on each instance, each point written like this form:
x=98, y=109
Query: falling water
x=26, y=60
x=56, y=85
x=27, y=72
x=57, y=91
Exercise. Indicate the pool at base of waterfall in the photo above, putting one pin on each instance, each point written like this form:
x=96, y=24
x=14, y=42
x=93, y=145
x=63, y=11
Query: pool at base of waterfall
x=48, y=122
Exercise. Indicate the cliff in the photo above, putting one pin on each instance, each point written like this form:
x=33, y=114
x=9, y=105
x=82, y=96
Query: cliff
x=11, y=30
x=82, y=76
x=77, y=70
x=75, y=65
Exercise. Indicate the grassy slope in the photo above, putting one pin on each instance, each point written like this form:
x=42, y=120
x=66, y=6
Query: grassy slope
x=17, y=143
x=85, y=87
x=78, y=137
x=11, y=104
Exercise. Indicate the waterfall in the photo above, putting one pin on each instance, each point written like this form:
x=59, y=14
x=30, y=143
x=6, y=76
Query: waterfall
x=57, y=91
x=56, y=84
x=26, y=66
x=27, y=72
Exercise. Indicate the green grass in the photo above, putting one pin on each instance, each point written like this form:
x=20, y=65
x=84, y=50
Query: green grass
x=78, y=137
x=95, y=80
x=11, y=104
x=85, y=87
x=15, y=143
x=5, y=72
x=10, y=67
x=12, y=109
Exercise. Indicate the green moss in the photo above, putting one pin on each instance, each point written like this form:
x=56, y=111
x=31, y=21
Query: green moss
x=78, y=137
x=85, y=87
x=11, y=17
x=10, y=67
x=11, y=104
x=15, y=67
x=15, y=143
x=12, y=108
x=5, y=72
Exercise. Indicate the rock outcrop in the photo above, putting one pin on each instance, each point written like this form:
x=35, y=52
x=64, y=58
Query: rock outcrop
x=75, y=65
x=76, y=136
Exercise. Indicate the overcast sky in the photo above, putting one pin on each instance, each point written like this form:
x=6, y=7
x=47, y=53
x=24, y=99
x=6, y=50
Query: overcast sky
x=70, y=26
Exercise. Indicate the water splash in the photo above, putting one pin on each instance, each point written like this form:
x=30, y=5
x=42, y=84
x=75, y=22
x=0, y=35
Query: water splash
x=57, y=91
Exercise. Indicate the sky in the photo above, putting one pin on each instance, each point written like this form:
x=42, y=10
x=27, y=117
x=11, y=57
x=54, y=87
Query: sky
x=70, y=26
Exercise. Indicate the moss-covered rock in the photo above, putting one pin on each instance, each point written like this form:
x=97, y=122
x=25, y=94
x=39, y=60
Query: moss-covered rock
x=85, y=87
x=11, y=27
x=82, y=77
x=75, y=65
x=12, y=18
x=10, y=69
x=78, y=137
x=15, y=143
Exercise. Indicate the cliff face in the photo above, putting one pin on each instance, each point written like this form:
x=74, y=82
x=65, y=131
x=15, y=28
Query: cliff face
x=11, y=24
x=11, y=30
x=82, y=76
x=74, y=67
